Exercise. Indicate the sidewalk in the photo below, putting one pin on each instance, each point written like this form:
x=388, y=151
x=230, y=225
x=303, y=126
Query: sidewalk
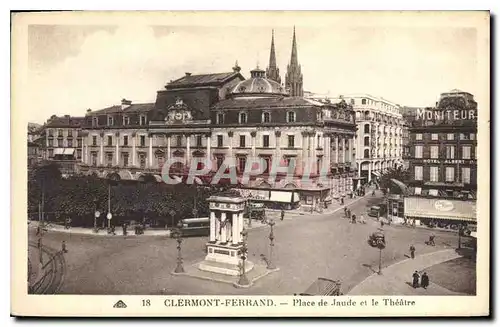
x=396, y=279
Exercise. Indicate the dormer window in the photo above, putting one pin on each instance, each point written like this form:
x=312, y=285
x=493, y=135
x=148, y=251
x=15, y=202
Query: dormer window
x=290, y=117
x=266, y=117
x=220, y=118
x=126, y=120
x=95, y=122
x=243, y=117
x=110, y=120
x=363, y=101
x=142, y=120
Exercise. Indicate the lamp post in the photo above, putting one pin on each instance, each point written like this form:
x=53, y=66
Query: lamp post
x=270, y=264
x=243, y=276
x=460, y=229
x=250, y=212
x=172, y=214
x=178, y=235
x=96, y=215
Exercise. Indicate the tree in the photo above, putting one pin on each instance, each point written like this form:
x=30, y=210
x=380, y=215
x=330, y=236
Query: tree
x=399, y=174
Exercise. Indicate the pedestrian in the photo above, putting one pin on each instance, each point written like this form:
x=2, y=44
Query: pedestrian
x=373, y=193
x=345, y=212
x=38, y=230
x=381, y=223
x=63, y=247
x=425, y=281
x=353, y=219
x=282, y=214
x=349, y=213
x=412, y=251
x=416, y=277
x=431, y=240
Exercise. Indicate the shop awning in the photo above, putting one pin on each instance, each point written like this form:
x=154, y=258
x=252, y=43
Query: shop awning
x=279, y=196
x=440, y=209
x=376, y=173
x=58, y=151
x=69, y=152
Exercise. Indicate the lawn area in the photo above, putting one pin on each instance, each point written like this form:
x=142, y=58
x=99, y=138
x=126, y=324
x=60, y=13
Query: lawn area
x=458, y=275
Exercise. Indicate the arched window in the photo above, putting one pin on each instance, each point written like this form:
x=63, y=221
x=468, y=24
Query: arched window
x=367, y=128
x=363, y=101
x=367, y=153
x=243, y=118
x=367, y=141
x=290, y=117
x=367, y=115
x=266, y=117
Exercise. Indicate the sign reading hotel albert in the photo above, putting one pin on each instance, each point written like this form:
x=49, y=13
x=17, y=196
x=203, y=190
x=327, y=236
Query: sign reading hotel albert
x=449, y=161
x=447, y=114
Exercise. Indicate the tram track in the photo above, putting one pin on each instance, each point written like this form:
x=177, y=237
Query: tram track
x=53, y=272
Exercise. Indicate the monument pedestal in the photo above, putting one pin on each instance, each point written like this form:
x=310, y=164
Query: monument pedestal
x=224, y=259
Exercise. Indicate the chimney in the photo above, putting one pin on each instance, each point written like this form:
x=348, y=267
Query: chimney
x=89, y=110
x=236, y=68
x=188, y=74
x=126, y=103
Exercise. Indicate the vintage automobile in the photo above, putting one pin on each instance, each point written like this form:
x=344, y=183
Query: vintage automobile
x=324, y=287
x=195, y=227
x=378, y=210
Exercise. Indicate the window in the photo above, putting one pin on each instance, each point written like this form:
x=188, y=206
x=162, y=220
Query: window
x=95, y=121
x=110, y=140
x=243, y=117
x=418, y=151
x=109, y=158
x=450, y=137
x=363, y=101
x=70, y=143
x=142, y=160
x=318, y=166
x=70, y=132
x=433, y=176
x=418, y=137
x=450, y=174
x=466, y=152
x=220, y=118
x=110, y=120
x=51, y=132
x=367, y=153
x=220, y=161
x=51, y=142
x=418, y=190
x=434, y=151
x=79, y=142
x=143, y=140
x=126, y=120
x=291, y=141
x=220, y=141
x=60, y=143
x=367, y=128
x=59, y=132
x=434, y=136
x=472, y=136
x=466, y=175
x=199, y=141
x=450, y=152
x=267, y=160
x=265, y=141
x=367, y=141
x=51, y=153
x=242, y=161
x=433, y=192
x=178, y=140
x=94, y=140
x=142, y=120
x=266, y=117
x=242, y=141
x=94, y=159
x=125, y=140
x=291, y=117
x=125, y=160
x=318, y=145
x=419, y=173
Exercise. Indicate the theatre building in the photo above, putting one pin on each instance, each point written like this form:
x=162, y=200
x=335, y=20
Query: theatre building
x=443, y=160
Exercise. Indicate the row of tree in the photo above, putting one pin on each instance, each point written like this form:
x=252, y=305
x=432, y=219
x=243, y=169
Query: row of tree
x=78, y=198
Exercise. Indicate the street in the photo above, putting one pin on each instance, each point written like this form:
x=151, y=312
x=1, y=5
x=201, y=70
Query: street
x=306, y=247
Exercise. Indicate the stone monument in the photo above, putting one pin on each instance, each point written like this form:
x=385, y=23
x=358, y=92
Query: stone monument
x=224, y=248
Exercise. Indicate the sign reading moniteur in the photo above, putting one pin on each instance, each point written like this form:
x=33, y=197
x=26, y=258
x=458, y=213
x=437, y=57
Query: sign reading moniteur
x=447, y=114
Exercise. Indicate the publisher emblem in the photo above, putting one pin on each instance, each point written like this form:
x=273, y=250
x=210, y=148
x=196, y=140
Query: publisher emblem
x=120, y=304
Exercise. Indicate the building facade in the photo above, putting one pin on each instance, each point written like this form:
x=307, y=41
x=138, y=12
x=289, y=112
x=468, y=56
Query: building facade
x=225, y=116
x=379, y=136
x=443, y=162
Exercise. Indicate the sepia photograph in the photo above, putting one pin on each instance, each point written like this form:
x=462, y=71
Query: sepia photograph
x=204, y=156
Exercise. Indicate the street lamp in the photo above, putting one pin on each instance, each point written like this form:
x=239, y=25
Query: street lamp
x=177, y=233
x=96, y=215
x=250, y=212
x=243, y=276
x=172, y=214
x=270, y=264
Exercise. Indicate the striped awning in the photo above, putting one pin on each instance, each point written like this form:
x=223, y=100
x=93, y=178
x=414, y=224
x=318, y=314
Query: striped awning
x=417, y=207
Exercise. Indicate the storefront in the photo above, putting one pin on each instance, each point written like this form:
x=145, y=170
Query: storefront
x=443, y=211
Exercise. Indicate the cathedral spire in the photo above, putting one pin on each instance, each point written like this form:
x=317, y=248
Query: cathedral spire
x=272, y=72
x=293, y=78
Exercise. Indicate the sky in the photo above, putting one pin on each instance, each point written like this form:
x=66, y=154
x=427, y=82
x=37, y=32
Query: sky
x=75, y=67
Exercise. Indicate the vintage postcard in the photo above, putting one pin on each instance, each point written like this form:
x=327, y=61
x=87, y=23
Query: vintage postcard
x=322, y=164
